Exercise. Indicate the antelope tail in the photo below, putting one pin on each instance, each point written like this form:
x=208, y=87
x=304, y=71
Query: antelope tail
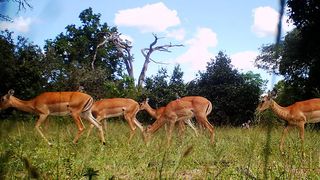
x=209, y=108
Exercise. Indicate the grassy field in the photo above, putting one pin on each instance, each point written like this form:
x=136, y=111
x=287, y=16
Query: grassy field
x=237, y=154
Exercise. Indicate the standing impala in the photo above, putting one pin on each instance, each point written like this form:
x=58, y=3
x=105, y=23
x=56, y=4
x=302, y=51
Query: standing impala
x=115, y=107
x=155, y=113
x=56, y=103
x=297, y=114
x=181, y=109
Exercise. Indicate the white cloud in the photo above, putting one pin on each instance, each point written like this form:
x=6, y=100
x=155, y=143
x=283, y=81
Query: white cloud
x=149, y=18
x=177, y=34
x=265, y=22
x=19, y=24
x=244, y=61
x=198, y=53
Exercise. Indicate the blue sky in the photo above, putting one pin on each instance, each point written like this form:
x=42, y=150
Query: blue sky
x=205, y=27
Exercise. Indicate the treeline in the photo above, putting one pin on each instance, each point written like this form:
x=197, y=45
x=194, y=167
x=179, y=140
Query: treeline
x=75, y=58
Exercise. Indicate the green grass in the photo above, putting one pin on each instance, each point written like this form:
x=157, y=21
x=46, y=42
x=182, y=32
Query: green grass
x=237, y=154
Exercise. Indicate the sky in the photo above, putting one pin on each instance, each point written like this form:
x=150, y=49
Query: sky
x=238, y=28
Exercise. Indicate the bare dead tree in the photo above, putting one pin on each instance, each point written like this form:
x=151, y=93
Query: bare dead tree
x=146, y=52
x=121, y=46
x=124, y=46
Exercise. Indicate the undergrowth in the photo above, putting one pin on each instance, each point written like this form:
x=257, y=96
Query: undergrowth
x=236, y=154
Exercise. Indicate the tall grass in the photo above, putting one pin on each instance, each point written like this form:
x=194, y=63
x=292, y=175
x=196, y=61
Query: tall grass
x=236, y=154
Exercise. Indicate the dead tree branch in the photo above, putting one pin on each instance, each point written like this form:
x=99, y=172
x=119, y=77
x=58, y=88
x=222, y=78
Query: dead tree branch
x=146, y=52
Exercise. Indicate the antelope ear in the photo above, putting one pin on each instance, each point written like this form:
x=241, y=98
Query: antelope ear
x=147, y=99
x=274, y=93
x=10, y=92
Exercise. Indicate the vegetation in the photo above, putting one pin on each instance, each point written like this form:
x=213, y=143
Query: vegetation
x=237, y=154
x=297, y=59
x=81, y=56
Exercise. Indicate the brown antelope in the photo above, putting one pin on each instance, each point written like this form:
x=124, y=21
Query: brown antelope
x=155, y=113
x=115, y=107
x=181, y=109
x=297, y=114
x=76, y=104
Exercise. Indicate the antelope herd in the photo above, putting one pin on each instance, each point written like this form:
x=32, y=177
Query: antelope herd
x=181, y=111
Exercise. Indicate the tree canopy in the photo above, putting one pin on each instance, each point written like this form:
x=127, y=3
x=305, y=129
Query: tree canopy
x=299, y=59
x=234, y=95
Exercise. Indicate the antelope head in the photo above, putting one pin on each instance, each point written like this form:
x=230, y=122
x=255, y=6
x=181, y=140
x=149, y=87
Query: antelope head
x=5, y=100
x=143, y=104
x=266, y=100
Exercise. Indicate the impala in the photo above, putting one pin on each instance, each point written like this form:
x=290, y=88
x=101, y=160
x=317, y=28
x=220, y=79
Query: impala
x=115, y=107
x=76, y=104
x=297, y=114
x=155, y=113
x=181, y=109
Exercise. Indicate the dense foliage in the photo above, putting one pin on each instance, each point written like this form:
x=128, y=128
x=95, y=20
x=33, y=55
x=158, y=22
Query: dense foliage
x=298, y=57
x=234, y=95
x=21, y=64
x=81, y=56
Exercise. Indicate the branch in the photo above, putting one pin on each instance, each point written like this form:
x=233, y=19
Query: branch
x=23, y=4
x=146, y=52
x=166, y=47
x=95, y=53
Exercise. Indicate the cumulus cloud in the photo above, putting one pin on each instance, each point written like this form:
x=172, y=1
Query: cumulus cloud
x=198, y=53
x=149, y=18
x=19, y=24
x=244, y=61
x=177, y=34
x=265, y=22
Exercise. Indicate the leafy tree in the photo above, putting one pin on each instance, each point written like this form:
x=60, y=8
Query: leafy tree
x=157, y=88
x=176, y=85
x=76, y=57
x=305, y=16
x=161, y=90
x=234, y=96
x=21, y=66
x=299, y=59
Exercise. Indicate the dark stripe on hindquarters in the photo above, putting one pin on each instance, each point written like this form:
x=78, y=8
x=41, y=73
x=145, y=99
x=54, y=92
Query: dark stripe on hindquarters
x=88, y=105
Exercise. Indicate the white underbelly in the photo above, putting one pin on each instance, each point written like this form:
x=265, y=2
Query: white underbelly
x=314, y=120
x=313, y=117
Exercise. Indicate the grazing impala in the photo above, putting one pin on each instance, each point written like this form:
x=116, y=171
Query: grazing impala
x=155, y=113
x=181, y=109
x=56, y=103
x=115, y=107
x=297, y=114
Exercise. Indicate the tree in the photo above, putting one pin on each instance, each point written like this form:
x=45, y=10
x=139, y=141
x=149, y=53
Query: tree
x=82, y=56
x=157, y=88
x=124, y=47
x=160, y=91
x=176, y=85
x=21, y=66
x=305, y=15
x=146, y=52
x=298, y=57
x=22, y=5
x=234, y=96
